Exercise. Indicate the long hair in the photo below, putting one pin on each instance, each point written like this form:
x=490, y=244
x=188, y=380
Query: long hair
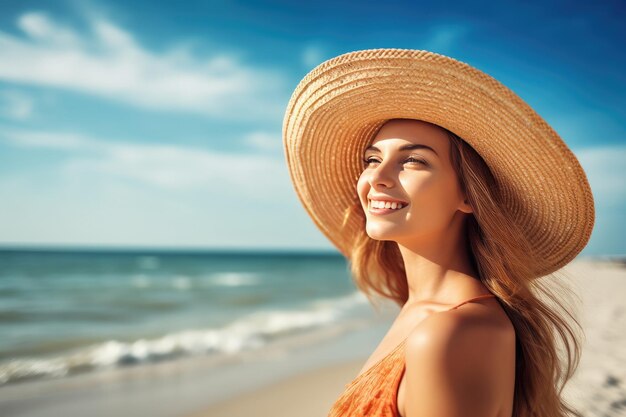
x=544, y=324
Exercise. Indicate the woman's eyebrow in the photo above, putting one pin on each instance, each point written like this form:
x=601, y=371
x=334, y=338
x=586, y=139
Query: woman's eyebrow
x=408, y=147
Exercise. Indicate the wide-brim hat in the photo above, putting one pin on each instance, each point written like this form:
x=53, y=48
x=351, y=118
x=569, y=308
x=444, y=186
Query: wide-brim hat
x=339, y=105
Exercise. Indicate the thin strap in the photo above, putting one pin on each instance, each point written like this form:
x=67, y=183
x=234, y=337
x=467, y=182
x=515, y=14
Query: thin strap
x=395, y=349
x=472, y=299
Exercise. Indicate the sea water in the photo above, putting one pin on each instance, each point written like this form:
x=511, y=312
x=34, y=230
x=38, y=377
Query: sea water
x=65, y=312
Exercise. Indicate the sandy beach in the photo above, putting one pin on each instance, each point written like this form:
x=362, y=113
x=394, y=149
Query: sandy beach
x=309, y=395
x=304, y=377
x=597, y=389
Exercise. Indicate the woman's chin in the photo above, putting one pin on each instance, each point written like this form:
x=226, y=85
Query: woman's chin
x=378, y=234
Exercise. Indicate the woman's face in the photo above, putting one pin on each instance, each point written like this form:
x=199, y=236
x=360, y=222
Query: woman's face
x=408, y=160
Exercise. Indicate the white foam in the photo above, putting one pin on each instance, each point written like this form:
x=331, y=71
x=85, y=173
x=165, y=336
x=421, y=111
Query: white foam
x=181, y=282
x=234, y=279
x=140, y=281
x=246, y=333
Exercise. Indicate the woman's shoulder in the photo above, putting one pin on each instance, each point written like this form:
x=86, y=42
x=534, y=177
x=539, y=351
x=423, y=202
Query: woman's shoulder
x=455, y=352
x=473, y=325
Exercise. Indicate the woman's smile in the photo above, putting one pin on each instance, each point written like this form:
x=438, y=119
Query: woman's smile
x=383, y=210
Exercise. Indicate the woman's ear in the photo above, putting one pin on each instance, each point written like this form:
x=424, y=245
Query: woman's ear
x=465, y=207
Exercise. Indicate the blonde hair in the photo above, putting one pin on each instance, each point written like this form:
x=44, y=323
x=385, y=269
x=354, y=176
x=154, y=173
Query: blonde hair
x=504, y=261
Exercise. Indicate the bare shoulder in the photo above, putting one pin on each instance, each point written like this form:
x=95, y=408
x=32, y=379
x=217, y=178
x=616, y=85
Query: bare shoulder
x=459, y=362
x=471, y=325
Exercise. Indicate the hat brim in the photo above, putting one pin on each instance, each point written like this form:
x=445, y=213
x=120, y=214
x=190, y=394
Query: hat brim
x=340, y=104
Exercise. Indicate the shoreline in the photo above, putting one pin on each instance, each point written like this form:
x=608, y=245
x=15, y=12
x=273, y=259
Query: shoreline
x=188, y=385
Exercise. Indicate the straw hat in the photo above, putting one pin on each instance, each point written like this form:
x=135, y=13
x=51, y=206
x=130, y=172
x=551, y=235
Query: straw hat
x=338, y=107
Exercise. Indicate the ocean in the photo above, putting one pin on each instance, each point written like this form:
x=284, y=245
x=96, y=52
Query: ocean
x=66, y=312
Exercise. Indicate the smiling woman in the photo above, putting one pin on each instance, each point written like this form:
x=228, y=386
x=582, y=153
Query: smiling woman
x=450, y=196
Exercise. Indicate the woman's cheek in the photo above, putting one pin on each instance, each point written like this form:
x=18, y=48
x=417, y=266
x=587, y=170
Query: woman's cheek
x=361, y=189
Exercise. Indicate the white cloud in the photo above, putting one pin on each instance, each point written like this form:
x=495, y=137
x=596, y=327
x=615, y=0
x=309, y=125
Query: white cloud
x=247, y=175
x=39, y=210
x=39, y=27
x=34, y=139
x=108, y=62
x=606, y=171
x=16, y=105
x=180, y=168
x=105, y=192
x=265, y=141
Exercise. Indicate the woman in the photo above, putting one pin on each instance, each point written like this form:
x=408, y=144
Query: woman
x=450, y=196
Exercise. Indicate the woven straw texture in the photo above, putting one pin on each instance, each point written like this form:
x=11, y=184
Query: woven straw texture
x=337, y=107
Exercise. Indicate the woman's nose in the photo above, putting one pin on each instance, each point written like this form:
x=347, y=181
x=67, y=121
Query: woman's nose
x=381, y=175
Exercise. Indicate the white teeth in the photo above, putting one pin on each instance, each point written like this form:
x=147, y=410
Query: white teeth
x=385, y=204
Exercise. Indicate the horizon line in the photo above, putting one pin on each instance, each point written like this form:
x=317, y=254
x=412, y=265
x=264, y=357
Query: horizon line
x=161, y=249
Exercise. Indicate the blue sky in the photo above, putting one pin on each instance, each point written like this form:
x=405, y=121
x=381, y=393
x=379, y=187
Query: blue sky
x=143, y=124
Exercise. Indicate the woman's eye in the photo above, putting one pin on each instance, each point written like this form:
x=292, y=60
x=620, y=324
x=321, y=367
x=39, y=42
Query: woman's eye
x=418, y=160
x=412, y=159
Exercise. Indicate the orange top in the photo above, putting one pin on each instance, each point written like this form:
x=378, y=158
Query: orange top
x=374, y=392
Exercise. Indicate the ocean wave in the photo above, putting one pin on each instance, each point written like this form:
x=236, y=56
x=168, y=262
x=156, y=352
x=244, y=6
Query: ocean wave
x=247, y=333
x=184, y=282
